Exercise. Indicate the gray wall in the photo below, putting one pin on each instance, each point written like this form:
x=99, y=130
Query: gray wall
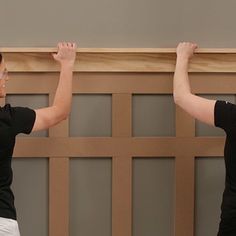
x=123, y=23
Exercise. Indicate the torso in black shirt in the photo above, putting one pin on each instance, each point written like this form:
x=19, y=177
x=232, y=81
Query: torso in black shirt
x=225, y=118
x=13, y=120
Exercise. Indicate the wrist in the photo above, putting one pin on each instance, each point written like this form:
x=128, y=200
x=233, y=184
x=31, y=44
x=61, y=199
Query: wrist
x=183, y=57
x=67, y=65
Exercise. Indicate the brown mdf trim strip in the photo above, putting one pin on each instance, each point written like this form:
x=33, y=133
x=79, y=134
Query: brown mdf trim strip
x=213, y=83
x=184, y=175
x=124, y=82
x=209, y=147
x=122, y=196
x=59, y=184
x=108, y=147
x=32, y=83
x=121, y=167
x=166, y=147
x=129, y=83
x=60, y=130
x=185, y=124
x=61, y=147
x=121, y=115
x=93, y=83
x=184, y=195
x=154, y=147
x=59, y=197
x=121, y=62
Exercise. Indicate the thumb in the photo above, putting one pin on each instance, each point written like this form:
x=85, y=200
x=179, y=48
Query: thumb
x=195, y=45
x=55, y=56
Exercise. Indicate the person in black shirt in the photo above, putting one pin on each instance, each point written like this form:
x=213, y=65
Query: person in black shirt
x=216, y=113
x=15, y=120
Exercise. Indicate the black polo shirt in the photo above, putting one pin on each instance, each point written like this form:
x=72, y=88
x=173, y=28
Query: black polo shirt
x=13, y=120
x=225, y=118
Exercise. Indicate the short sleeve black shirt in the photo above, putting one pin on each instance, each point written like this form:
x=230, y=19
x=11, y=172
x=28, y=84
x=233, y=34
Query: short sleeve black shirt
x=225, y=118
x=13, y=120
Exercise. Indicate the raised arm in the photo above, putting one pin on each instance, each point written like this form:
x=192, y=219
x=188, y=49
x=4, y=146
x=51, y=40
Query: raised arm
x=60, y=109
x=200, y=108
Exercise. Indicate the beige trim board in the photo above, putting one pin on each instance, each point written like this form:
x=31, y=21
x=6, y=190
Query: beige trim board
x=120, y=60
x=115, y=50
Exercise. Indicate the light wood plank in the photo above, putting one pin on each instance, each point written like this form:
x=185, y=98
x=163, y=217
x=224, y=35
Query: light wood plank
x=117, y=50
x=120, y=62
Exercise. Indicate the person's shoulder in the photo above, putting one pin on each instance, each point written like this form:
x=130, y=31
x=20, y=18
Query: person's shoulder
x=230, y=104
x=5, y=114
x=6, y=108
x=9, y=111
x=225, y=102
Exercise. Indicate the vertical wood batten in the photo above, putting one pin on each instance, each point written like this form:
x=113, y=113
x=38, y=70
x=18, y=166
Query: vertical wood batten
x=122, y=196
x=184, y=195
x=184, y=177
x=58, y=184
x=59, y=196
x=121, y=168
x=121, y=115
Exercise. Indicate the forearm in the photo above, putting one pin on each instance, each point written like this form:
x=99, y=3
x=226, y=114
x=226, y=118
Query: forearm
x=181, y=84
x=63, y=96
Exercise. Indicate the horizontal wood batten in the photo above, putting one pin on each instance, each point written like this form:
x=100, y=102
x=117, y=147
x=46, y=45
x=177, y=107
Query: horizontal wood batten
x=120, y=60
x=108, y=147
x=134, y=83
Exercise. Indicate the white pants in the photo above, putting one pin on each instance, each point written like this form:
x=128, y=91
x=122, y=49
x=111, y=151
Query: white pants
x=9, y=227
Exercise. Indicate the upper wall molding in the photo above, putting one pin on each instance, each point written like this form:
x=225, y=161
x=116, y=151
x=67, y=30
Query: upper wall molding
x=120, y=60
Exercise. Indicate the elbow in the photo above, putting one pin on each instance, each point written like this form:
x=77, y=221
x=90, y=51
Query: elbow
x=61, y=114
x=180, y=99
x=177, y=98
x=65, y=115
